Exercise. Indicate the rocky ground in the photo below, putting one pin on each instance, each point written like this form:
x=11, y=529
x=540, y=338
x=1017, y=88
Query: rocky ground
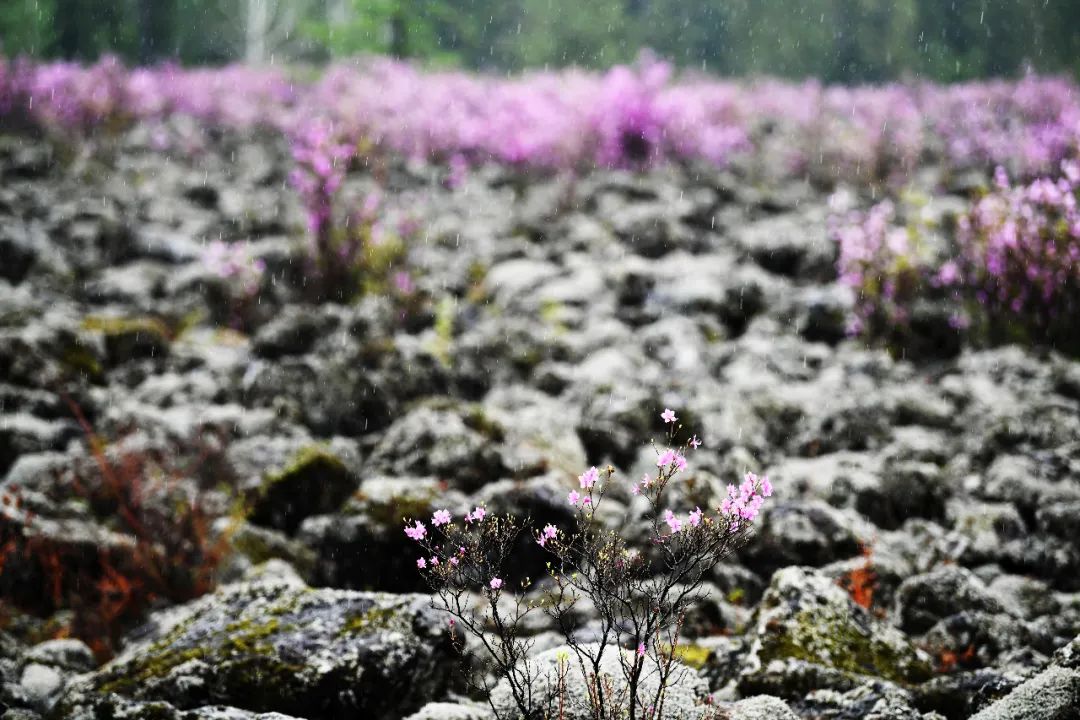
x=920, y=558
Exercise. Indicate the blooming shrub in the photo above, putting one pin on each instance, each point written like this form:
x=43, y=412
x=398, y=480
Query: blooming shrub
x=887, y=265
x=631, y=116
x=1019, y=255
x=1010, y=273
x=242, y=273
x=640, y=594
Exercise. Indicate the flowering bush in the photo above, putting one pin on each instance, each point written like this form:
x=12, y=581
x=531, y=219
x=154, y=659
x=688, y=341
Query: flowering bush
x=242, y=273
x=1019, y=256
x=631, y=116
x=1010, y=273
x=640, y=594
x=888, y=266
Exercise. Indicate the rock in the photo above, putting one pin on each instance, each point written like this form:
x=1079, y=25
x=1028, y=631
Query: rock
x=68, y=654
x=130, y=338
x=451, y=711
x=790, y=244
x=287, y=480
x=446, y=443
x=761, y=707
x=1053, y=694
x=272, y=647
x=683, y=699
x=809, y=634
x=962, y=694
x=803, y=533
x=17, y=253
x=923, y=600
x=291, y=332
x=823, y=315
x=906, y=490
x=41, y=683
x=365, y=546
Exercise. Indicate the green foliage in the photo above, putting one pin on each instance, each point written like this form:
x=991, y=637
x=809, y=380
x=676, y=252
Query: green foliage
x=836, y=40
x=26, y=27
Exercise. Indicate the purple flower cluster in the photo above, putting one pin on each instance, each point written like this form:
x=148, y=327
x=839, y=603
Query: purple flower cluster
x=1019, y=253
x=883, y=263
x=630, y=116
x=1012, y=270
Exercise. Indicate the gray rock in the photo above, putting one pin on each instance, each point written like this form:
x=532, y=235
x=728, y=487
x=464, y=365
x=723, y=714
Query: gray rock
x=925, y=599
x=279, y=647
x=451, y=711
x=289, y=479
x=1053, y=694
x=68, y=654
x=446, y=443
x=761, y=707
x=809, y=634
x=683, y=697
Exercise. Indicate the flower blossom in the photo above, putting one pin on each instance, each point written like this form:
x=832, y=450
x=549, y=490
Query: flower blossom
x=589, y=478
x=477, y=515
x=668, y=415
x=496, y=583
x=574, y=496
x=441, y=517
x=695, y=517
x=416, y=532
x=421, y=563
x=670, y=457
x=641, y=649
x=673, y=521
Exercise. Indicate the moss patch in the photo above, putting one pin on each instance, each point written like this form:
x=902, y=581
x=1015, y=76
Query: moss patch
x=828, y=637
x=376, y=618
x=314, y=481
x=693, y=656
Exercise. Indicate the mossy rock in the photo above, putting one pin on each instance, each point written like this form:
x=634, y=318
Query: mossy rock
x=313, y=481
x=130, y=338
x=809, y=635
x=280, y=647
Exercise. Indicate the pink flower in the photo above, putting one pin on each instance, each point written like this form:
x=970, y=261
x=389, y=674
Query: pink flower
x=550, y=531
x=421, y=563
x=671, y=458
x=454, y=561
x=434, y=561
x=477, y=515
x=589, y=478
x=673, y=522
x=695, y=443
x=635, y=490
x=416, y=532
x=766, y=487
x=641, y=649
x=496, y=583
x=573, y=497
x=695, y=517
x=441, y=517
x=668, y=415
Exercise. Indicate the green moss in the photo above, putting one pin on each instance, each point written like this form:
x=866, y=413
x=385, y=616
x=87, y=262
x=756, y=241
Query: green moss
x=243, y=643
x=476, y=419
x=693, y=656
x=392, y=512
x=316, y=459
x=376, y=618
x=445, y=316
x=828, y=637
x=121, y=326
x=82, y=362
